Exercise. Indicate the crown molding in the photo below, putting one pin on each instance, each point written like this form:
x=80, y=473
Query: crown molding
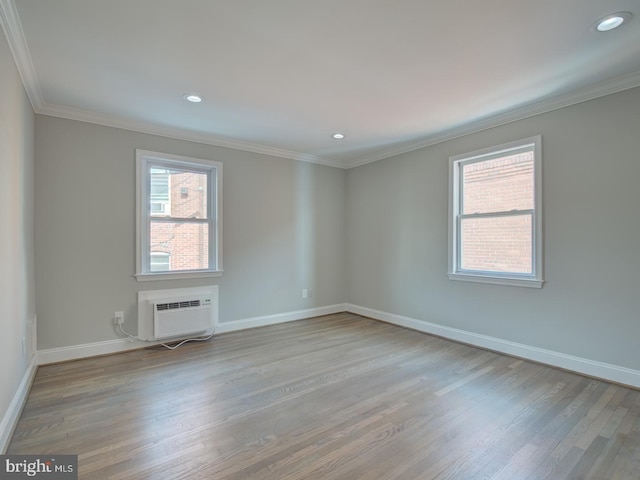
x=12, y=27
x=557, y=102
x=530, y=110
x=178, y=134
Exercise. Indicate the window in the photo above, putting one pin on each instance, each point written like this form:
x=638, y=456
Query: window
x=495, y=215
x=179, y=222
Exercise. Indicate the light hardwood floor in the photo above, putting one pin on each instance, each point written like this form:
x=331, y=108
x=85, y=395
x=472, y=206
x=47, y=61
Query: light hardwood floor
x=335, y=397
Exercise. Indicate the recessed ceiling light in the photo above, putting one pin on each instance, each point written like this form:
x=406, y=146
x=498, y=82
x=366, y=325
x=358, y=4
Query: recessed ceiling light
x=193, y=98
x=338, y=136
x=612, y=21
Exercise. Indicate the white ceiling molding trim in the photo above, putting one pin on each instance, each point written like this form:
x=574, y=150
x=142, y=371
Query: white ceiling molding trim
x=533, y=109
x=18, y=45
x=178, y=134
x=537, y=108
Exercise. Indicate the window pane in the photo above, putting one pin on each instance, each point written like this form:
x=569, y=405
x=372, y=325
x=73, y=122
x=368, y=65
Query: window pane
x=159, y=192
x=178, y=193
x=187, y=243
x=159, y=186
x=498, y=185
x=496, y=244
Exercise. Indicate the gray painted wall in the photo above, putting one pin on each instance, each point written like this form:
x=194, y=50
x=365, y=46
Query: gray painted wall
x=17, y=303
x=284, y=230
x=589, y=307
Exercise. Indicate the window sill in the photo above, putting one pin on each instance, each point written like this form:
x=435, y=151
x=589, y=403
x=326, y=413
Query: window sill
x=152, y=277
x=498, y=280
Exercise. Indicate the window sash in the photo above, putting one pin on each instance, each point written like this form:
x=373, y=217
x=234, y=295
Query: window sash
x=513, y=213
x=170, y=169
x=466, y=183
x=184, y=221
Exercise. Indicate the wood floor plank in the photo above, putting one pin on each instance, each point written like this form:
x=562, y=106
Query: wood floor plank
x=334, y=398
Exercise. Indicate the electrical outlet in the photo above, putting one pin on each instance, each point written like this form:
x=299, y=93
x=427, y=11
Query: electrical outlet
x=118, y=318
x=305, y=293
x=24, y=345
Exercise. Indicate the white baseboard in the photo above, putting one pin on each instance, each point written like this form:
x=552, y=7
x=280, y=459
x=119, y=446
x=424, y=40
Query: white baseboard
x=12, y=415
x=278, y=318
x=74, y=352
x=591, y=368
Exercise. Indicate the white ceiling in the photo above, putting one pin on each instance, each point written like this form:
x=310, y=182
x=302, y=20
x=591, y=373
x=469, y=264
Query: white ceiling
x=281, y=76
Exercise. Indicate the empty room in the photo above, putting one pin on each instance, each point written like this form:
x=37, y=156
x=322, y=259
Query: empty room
x=338, y=240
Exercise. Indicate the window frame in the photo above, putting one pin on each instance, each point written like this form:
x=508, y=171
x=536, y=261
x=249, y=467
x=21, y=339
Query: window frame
x=456, y=162
x=144, y=160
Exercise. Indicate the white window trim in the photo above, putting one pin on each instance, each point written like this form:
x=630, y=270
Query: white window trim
x=143, y=157
x=535, y=280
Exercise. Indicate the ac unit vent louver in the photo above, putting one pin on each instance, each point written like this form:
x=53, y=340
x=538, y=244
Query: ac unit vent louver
x=176, y=305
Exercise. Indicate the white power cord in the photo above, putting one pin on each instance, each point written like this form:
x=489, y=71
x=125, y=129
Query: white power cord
x=122, y=330
x=196, y=339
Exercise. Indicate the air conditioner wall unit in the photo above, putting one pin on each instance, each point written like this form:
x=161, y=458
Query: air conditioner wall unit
x=177, y=313
x=182, y=316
